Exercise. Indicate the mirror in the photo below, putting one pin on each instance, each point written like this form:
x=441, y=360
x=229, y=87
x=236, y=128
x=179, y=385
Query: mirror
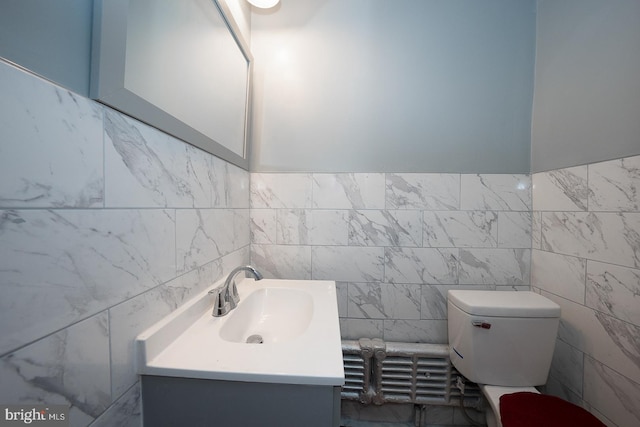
x=179, y=66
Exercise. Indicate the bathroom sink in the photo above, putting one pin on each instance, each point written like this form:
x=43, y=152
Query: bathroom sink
x=269, y=315
x=282, y=331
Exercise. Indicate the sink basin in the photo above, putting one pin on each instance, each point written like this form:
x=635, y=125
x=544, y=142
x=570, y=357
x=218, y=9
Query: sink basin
x=269, y=316
x=282, y=331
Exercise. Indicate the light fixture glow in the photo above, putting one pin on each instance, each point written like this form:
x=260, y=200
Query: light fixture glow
x=264, y=4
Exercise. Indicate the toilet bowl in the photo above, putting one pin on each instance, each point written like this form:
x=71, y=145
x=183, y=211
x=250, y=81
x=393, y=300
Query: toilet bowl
x=532, y=409
x=493, y=394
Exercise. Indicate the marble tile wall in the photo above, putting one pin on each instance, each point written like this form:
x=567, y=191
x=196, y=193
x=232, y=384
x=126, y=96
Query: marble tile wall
x=106, y=226
x=394, y=242
x=586, y=257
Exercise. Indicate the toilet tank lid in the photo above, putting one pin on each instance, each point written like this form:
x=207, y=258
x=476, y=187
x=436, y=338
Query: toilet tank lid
x=504, y=303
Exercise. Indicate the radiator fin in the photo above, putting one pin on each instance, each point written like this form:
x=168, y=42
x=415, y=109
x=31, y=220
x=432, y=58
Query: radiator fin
x=381, y=372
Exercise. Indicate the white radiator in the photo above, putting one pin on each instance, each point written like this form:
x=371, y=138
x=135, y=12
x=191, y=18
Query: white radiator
x=378, y=372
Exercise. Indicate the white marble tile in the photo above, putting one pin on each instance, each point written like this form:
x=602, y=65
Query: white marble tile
x=460, y=229
x=348, y=191
x=514, y=229
x=561, y=190
x=282, y=261
x=354, y=329
x=385, y=228
x=130, y=318
x=609, y=340
x=203, y=235
x=342, y=295
x=61, y=266
x=555, y=387
x=230, y=185
x=241, y=229
x=614, y=290
x=616, y=397
x=127, y=320
x=594, y=411
x=281, y=190
x=145, y=167
x=179, y=290
x=384, y=301
x=223, y=266
x=517, y=288
x=567, y=366
x=615, y=185
x=125, y=412
x=434, y=299
x=329, y=227
x=536, y=230
x=69, y=367
x=263, y=226
x=421, y=265
x=495, y=192
x=347, y=263
x=429, y=191
x=423, y=331
x=293, y=227
x=51, y=153
x=599, y=236
x=559, y=274
x=495, y=266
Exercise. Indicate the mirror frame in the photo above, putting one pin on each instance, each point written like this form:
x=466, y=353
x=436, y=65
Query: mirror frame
x=108, y=56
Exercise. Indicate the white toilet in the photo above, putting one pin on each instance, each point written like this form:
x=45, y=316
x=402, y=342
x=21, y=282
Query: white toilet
x=503, y=341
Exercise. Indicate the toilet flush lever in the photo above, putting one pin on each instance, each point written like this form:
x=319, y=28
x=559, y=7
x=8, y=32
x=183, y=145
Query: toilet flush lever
x=481, y=324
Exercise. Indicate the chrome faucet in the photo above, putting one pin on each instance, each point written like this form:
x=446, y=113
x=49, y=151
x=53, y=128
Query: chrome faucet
x=227, y=297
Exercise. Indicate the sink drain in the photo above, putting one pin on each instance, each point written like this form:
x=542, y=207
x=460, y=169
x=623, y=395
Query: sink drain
x=255, y=339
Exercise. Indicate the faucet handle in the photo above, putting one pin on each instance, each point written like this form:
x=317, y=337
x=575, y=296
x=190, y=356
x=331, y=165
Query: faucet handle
x=220, y=305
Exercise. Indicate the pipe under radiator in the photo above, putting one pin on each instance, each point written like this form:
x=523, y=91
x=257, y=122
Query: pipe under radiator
x=379, y=372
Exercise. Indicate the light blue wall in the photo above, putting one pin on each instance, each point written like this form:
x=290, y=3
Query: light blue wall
x=402, y=86
x=587, y=82
x=447, y=95
x=50, y=38
x=409, y=85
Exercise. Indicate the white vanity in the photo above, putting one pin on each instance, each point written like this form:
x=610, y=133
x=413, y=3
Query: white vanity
x=275, y=359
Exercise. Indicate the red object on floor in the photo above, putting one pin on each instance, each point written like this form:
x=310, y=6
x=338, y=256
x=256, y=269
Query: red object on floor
x=526, y=409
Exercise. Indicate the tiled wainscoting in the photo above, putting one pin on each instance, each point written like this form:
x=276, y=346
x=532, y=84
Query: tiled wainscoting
x=106, y=226
x=586, y=257
x=395, y=243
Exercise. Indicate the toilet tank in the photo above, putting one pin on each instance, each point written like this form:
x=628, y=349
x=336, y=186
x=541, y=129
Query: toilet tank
x=502, y=338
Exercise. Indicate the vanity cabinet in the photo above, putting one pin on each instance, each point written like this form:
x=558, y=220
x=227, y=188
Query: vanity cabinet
x=202, y=370
x=171, y=401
